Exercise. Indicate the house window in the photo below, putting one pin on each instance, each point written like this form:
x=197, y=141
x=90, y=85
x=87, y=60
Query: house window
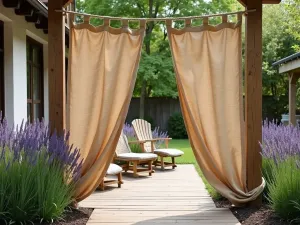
x=35, y=86
x=2, y=67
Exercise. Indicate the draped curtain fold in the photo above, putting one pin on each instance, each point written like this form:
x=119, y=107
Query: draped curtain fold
x=103, y=64
x=208, y=65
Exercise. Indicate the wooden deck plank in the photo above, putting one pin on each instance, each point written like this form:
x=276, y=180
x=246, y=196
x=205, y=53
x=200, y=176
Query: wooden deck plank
x=168, y=197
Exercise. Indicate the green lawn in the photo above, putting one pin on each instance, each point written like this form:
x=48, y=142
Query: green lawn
x=183, y=145
x=189, y=158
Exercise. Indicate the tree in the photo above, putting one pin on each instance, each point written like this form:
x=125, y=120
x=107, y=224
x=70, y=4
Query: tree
x=155, y=74
x=278, y=43
x=293, y=8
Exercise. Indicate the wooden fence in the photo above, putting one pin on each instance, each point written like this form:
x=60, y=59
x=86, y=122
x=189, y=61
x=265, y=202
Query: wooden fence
x=157, y=109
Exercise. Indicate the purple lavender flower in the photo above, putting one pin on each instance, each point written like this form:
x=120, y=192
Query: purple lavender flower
x=129, y=131
x=279, y=141
x=156, y=133
x=33, y=140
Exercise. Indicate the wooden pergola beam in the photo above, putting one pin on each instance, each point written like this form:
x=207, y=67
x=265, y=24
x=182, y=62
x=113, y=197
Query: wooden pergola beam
x=245, y=2
x=253, y=103
x=56, y=63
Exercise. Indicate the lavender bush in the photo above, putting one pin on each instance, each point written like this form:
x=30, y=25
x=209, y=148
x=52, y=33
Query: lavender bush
x=37, y=173
x=280, y=141
x=281, y=154
x=130, y=134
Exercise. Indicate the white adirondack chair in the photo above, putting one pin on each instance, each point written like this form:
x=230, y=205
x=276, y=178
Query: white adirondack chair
x=144, y=134
x=123, y=153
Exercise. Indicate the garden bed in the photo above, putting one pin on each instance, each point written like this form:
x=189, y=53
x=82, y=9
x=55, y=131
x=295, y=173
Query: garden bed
x=251, y=216
x=73, y=217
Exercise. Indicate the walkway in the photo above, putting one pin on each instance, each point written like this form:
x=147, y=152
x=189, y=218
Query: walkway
x=169, y=197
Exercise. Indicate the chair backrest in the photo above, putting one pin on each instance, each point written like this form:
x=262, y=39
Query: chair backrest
x=142, y=129
x=122, y=146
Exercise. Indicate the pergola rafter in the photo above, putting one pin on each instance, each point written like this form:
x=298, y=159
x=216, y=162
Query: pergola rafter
x=253, y=81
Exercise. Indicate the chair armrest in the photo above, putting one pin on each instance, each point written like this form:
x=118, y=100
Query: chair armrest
x=157, y=139
x=136, y=142
x=165, y=139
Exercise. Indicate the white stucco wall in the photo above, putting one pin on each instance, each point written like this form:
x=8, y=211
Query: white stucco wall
x=15, y=31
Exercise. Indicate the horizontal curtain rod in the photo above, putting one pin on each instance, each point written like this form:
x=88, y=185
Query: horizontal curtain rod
x=155, y=19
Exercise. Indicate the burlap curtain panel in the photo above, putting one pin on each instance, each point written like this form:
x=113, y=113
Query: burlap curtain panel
x=208, y=68
x=103, y=64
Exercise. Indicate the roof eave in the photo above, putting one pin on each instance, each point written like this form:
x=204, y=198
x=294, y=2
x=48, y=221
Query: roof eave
x=287, y=59
x=43, y=9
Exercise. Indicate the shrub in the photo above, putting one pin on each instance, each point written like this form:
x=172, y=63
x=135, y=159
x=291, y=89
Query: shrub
x=267, y=165
x=176, y=127
x=281, y=154
x=284, y=189
x=280, y=140
x=37, y=173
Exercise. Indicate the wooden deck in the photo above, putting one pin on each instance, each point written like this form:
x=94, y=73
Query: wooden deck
x=170, y=197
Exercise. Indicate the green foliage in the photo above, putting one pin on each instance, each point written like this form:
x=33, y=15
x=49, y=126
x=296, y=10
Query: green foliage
x=157, y=70
x=267, y=167
x=293, y=7
x=278, y=43
x=284, y=187
x=135, y=147
x=176, y=127
x=33, y=191
x=274, y=106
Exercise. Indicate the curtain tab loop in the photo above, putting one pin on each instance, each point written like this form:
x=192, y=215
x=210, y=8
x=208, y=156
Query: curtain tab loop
x=142, y=23
x=240, y=17
x=188, y=22
x=124, y=23
x=86, y=19
x=71, y=20
x=224, y=19
x=106, y=22
x=205, y=21
x=169, y=23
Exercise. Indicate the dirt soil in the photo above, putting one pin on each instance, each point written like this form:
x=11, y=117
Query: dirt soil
x=73, y=217
x=253, y=216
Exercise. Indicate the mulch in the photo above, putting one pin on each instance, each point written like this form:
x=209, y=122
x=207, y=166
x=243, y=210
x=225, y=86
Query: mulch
x=73, y=217
x=253, y=216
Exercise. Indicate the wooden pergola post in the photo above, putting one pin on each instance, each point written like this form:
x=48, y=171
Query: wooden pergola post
x=293, y=78
x=56, y=60
x=253, y=107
